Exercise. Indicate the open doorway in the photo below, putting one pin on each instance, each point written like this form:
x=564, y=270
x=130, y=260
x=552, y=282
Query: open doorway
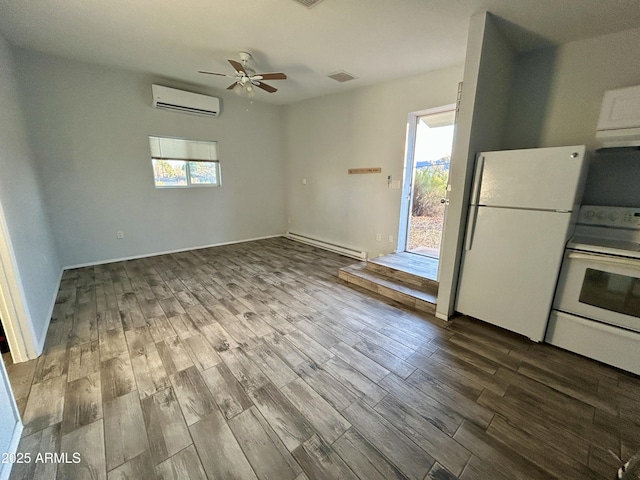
x=428, y=157
x=13, y=313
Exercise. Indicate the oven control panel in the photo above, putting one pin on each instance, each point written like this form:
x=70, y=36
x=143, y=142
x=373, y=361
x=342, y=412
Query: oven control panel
x=621, y=217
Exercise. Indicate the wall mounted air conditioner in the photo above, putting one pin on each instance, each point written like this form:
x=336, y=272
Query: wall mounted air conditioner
x=186, y=102
x=619, y=123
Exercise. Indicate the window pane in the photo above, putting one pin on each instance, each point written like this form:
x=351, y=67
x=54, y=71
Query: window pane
x=203, y=173
x=170, y=173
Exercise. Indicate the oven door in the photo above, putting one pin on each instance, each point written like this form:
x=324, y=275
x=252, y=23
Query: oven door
x=600, y=287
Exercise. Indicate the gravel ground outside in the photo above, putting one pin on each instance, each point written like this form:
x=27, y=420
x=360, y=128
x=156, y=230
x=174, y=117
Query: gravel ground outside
x=426, y=231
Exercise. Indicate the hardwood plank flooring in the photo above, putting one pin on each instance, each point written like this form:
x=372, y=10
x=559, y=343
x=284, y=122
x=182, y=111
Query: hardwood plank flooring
x=267, y=455
x=82, y=403
x=193, y=395
x=226, y=390
x=87, y=443
x=47, y=440
x=166, y=429
x=320, y=461
x=395, y=445
x=141, y=466
x=324, y=418
x=124, y=430
x=288, y=422
x=218, y=449
x=45, y=404
x=183, y=465
x=364, y=459
x=253, y=360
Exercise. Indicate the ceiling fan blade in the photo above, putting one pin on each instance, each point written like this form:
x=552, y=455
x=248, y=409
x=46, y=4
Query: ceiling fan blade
x=266, y=87
x=213, y=73
x=230, y=87
x=238, y=66
x=271, y=76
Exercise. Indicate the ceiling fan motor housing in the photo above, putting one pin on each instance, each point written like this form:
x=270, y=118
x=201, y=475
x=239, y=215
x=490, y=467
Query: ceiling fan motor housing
x=246, y=77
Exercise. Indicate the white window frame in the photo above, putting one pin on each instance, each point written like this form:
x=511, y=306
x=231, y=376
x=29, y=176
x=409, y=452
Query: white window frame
x=187, y=151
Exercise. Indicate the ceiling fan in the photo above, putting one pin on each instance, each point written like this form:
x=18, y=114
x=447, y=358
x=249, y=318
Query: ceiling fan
x=246, y=77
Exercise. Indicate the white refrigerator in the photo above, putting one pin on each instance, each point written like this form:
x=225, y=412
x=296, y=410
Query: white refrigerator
x=522, y=211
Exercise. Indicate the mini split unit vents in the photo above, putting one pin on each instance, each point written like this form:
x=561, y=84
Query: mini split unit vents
x=186, y=102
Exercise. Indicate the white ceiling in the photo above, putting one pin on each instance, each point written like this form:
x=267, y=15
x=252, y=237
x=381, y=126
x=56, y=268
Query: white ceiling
x=375, y=40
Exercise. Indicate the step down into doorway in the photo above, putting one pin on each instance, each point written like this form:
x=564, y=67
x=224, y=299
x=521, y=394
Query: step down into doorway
x=404, y=277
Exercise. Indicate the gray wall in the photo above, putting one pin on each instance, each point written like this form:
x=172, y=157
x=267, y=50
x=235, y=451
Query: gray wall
x=488, y=74
x=34, y=251
x=36, y=258
x=614, y=179
x=556, y=101
x=365, y=127
x=89, y=129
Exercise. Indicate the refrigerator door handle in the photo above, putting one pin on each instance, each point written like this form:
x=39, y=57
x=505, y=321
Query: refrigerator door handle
x=477, y=181
x=471, y=226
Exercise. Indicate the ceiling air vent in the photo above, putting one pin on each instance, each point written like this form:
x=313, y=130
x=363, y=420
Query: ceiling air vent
x=308, y=3
x=342, y=76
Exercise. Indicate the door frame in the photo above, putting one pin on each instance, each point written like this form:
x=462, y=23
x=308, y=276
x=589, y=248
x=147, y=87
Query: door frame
x=13, y=311
x=406, y=200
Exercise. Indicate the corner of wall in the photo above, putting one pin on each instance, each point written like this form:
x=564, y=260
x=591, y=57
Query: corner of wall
x=29, y=259
x=486, y=90
x=42, y=337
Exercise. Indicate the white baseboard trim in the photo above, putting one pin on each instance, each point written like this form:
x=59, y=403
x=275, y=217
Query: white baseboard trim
x=5, y=468
x=351, y=252
x=155, y=254
x=442, y=316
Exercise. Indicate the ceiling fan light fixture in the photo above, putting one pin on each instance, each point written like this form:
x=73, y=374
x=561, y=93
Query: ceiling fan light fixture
x=246, y=78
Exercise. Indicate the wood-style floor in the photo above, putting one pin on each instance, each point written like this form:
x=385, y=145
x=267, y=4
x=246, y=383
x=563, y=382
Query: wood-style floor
x=254, y=361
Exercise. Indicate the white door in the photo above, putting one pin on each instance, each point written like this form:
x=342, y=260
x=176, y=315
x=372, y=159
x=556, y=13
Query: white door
x=428, y=155
x=510, y=266
x=539, y=178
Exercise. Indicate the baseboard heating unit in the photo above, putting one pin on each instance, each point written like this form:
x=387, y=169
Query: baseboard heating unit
x=346, y=251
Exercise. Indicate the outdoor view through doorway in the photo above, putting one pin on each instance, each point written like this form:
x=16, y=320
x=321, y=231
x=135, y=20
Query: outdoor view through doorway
x=431, y=160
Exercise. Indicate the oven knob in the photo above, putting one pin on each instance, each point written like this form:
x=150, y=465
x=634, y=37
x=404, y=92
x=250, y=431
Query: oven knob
x=601, y=215
x=614, y=216
x=589, y=214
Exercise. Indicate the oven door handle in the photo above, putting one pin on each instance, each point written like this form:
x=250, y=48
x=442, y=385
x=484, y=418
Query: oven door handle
x=610, y=260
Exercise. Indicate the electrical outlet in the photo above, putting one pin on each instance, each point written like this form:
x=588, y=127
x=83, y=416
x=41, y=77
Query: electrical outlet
x=119, y=234
x=390, y=238
x=379, y=237
x=304, y=181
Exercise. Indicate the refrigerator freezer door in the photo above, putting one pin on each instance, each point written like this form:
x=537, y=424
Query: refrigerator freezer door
x=539, y=178
x=509, y=274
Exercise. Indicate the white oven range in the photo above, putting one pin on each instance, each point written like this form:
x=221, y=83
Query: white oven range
x=596, y=310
